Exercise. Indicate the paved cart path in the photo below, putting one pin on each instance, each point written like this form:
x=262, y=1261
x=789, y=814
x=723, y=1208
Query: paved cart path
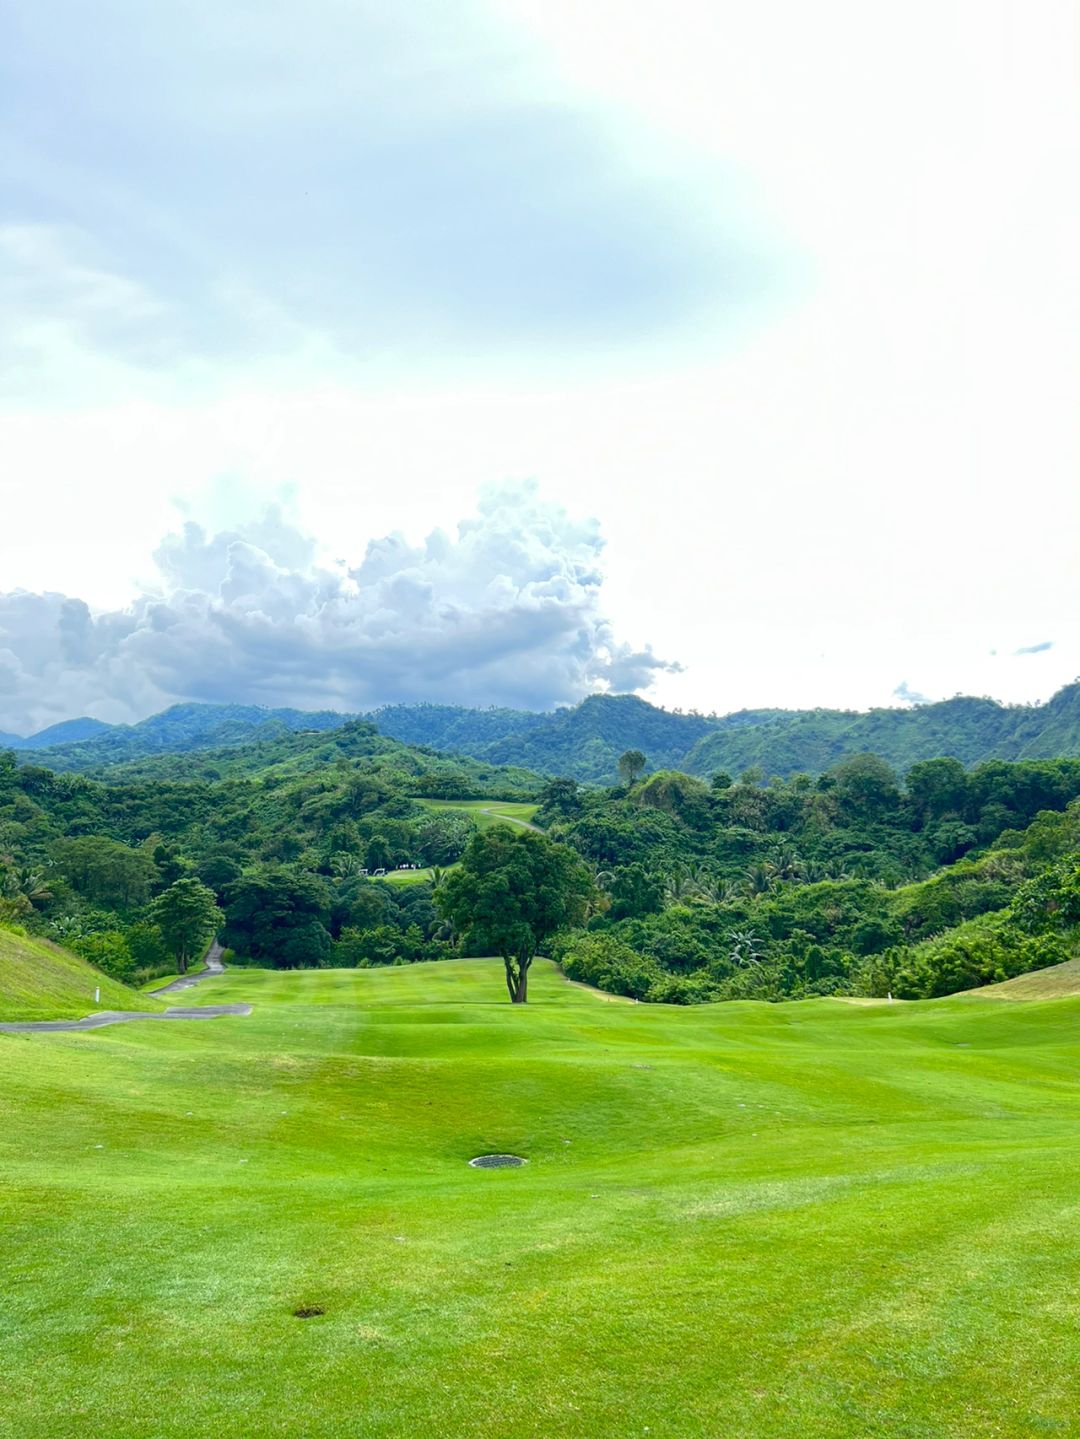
x=510, y=819
x=118, y=1016
x=188, y=981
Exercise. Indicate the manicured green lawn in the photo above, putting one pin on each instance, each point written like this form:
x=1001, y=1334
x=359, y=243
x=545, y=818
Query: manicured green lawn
x=737, y=1221
x=412, y=876
x=488, y=811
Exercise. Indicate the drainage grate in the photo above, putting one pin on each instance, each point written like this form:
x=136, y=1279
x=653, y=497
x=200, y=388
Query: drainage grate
x=496, y=1161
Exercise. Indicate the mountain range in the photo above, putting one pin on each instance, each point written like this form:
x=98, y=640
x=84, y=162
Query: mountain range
x=584, y=741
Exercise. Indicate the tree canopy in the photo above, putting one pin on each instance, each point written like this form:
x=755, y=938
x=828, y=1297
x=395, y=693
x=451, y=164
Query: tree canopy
x=512, y=892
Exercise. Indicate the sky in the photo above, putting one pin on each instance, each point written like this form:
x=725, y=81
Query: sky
x=505, y=351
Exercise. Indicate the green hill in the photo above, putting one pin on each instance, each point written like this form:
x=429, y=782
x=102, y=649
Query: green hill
x=584, y=741
x=967, y=729
x=86, y=744
x=39, y=980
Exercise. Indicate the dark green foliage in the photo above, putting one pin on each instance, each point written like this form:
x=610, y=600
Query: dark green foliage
x=513, y=891
x=278, y=916
x=187, y=915
x=584, y=742
x=105, y=871
x=811, y=887
x=837, y=883
x=635, y=892
x=86, y=743
x=631, y=765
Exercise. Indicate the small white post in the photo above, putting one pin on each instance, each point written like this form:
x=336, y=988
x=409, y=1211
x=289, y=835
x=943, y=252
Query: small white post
x=97, y=994
x=890, y=996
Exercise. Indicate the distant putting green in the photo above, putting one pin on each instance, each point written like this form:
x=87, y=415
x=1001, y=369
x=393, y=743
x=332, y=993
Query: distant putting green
x=489, y=811
x=801, y=1221
x=411, y=876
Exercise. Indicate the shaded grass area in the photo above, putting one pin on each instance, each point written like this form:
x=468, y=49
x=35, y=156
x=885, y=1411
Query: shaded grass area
x=39, y=980
x=805, y=1220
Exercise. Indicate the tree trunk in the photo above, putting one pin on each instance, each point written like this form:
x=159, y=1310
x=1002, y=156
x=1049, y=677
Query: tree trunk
x=517, y=977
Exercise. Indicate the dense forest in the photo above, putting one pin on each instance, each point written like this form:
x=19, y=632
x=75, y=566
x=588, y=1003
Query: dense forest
x=586, y=740
x=293, y=845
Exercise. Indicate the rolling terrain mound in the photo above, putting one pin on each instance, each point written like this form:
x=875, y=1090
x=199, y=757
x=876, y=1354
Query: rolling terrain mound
x=798, y=1221
x=1059, y=981
x=39, y=980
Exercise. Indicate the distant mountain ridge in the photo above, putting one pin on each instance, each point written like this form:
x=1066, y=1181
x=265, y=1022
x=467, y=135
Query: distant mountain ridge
x=585, y=741
x=89, y=743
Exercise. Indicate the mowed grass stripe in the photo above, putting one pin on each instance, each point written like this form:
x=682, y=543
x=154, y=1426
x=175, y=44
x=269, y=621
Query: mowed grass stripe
x=814, y=1219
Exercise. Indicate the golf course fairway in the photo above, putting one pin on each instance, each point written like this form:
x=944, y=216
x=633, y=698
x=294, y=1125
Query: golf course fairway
x=736, y=1220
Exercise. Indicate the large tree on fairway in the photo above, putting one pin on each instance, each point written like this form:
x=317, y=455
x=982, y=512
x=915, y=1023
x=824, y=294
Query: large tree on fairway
x=512, y=891
x=631, y=764
x=187, y=914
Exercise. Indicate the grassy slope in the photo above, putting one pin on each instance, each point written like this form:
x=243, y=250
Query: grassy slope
x=1056, y=982
x=39, y=980
x=809, y=1220
x=488, y=811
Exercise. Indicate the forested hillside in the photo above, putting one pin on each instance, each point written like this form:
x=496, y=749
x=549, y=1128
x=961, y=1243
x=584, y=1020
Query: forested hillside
x=280, y=833
x=966, y=729
x=858, y=881
x=86, y=744
x=584, y=742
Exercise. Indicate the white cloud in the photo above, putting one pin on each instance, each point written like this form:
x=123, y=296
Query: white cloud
x=876, y=481
x=504, y=611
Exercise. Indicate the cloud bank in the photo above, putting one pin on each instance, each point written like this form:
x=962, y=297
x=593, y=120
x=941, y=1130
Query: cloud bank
x=505, y=611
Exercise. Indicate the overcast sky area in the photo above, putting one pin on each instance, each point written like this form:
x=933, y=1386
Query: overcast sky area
x=504, y=351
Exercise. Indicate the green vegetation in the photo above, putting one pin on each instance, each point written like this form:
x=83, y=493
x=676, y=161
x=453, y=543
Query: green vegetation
x=101, y=864
x=848, y=884
x=513, y=892
x=585, y=742
x=852, y=882
x=39, y=980
x=486, y=812
x=816, y=1220
x=187, y=917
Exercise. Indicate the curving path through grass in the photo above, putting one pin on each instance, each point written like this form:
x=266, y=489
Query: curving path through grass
x=214, y=968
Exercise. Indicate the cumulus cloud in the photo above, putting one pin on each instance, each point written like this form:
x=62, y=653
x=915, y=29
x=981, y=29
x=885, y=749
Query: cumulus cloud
x=504, y=611
x=906, y=695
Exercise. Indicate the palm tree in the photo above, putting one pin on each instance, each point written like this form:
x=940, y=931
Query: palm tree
x=718, y=891
x=787, y=867
x=344, y=864
x=744, y=947
x=759, y=880
x=677, y=886
x=32, y=883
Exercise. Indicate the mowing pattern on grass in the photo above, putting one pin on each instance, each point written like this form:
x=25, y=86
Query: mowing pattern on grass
x=801, y=1221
